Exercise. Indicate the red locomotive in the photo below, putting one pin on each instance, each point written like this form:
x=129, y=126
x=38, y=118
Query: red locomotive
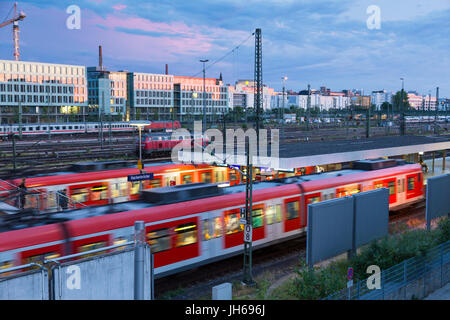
x=189, y=233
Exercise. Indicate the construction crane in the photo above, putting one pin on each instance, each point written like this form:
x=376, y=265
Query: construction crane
x=15, y=22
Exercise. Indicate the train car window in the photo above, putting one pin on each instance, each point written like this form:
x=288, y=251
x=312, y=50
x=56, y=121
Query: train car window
x=232, y=176
x=378, y=185
x=134, y=187
x=219, y=176
x=187, y=179
x=51, y=128
x=79, y=194
x=400, y=183
x=91, y=246
x=70, y=127
x=232, y=223
x=391, y=186
x=258, y=218
x=30, y=128
x=120, y=240
x=270, y=214
x=119, y=189
x=159, y=240
x=278, y=213
x=39, y=258
x=186, y=234
x=99, y=192
x=313, y=200
x=206, y=177
x=419, y=177
x=155, y=183
x=411, y=183
x=291, y=210
x=38, y=128
x=6, y=265
x=212, y=228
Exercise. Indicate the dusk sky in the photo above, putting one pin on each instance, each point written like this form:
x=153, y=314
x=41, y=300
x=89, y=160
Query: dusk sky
x=324, y=43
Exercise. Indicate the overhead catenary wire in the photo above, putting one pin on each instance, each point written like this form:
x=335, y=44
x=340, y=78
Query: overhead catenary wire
x=224, y=56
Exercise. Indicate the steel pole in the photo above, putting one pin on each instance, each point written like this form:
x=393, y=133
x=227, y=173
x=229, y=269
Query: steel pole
x=139, y=247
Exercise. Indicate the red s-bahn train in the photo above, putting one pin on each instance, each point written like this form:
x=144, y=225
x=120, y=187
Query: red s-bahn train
x=188, y=233
x=99, y=184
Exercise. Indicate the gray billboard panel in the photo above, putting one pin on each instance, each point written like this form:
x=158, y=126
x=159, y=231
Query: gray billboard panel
x=330, y=229
x=438, y=197
x=371, y=215
x=104, y=277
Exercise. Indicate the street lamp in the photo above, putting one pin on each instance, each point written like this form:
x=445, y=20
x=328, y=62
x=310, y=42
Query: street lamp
x=204, y=97
x=402, y=124
x=140, y=124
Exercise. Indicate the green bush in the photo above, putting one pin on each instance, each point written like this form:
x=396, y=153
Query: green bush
x=386, y=252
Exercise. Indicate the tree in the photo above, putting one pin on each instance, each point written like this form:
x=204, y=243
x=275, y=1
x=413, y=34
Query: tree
x=396, y=99
x=385, y=106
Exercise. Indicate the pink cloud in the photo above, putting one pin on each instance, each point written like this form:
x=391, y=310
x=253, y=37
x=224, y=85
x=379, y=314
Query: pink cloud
x=119, y=7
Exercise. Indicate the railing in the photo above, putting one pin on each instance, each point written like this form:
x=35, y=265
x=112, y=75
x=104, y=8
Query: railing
x=34, y=199
x=414, y=278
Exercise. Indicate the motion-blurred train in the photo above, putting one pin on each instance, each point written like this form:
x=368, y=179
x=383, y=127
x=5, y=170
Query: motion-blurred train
x=100, y=183
x=418, y=119
x=191, y=225
x=29, y=129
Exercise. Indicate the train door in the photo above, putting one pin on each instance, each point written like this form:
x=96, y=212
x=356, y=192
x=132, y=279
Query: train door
x=206, y=176
x=212, y=232
x=309, y=198
x=119, y=190
x=274, y=220
x=233, y=177
x=391, y=185
x=170, y=179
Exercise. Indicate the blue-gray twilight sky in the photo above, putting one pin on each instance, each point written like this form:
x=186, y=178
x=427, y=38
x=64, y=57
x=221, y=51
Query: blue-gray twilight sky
x=321, y=42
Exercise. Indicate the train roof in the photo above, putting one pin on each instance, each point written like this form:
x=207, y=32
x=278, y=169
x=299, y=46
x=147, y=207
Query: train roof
x=120, y=215
x=69, y=177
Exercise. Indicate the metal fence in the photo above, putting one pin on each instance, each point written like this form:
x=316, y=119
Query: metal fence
x=414, y=278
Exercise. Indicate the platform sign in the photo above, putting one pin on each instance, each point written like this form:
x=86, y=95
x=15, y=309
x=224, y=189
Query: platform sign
x=329, y=230
x=371, y=220
x=248, y=231
x=437, y=204
x=350, y=273
x=140, y=177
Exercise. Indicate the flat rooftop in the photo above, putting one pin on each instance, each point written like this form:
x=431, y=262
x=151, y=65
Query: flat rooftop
x=304, y=154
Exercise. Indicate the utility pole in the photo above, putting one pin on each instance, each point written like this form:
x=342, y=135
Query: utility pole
x=248, y=228
x=13, y=136
x=204, y=96
x=308, y=106
x=258, y=83
x=282, y=113
x=402, y=117
x=436, y=129
x=20, y=119
x=368, y=122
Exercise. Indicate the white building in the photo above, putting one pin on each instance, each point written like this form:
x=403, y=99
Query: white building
x=37, y=89
x=381, y=96
x=324, y=102
x=248, y=88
